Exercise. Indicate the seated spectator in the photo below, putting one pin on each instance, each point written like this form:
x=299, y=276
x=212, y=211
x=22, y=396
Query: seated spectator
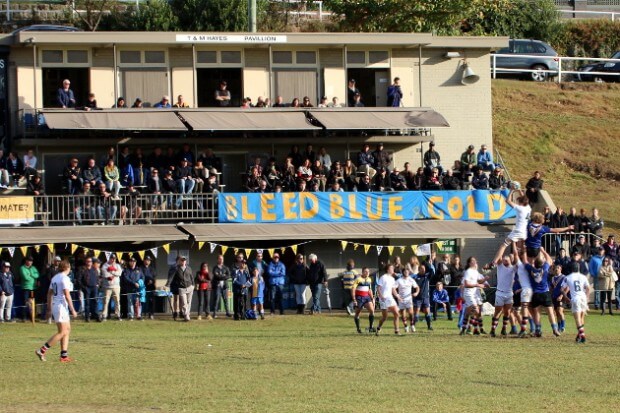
x=35, y=186
x=15, y=168
x=263, y=187
x=181, y=103
x=91, y=103
x=364, y=184
x=245, y=103
x=272, y=173
x=156, y=160
x=319, y=173
x=432, y=160
x=468, y=163
x=296, y=156
x=357, y=100
x=409, y=175
x=533, y=187
x=335, y=187
x=200, y=175
x=121, y=104
x=480, y=180
x=258, y=164
x=381, y=181
x=30, y=163
x=111, y=154
x=309, y=154
x=419, y=179
x=335, y=103
x=289, y=175
x=92, y=174
x=111, y=176
x=306, y=103
x=279, y=103
x=253, y=181
x=485, y=159
x=336, y=174
x=4, y=173
x=183, y=177
x=260, y=102
x=64, y=96
x=323, y=102
x=171, y=158
x=433, y=181
x=138, y=104
x=381, y=158
x=365, y=161
x=211, y=162
x=441, y=300
x=450, y=181
x=84, y=203
x=325, y=158
x=155, y=186
x=350, y=175
x=164, y=103
x=267, y=103
x=397, y=180
x=302, y=186
x=71, y=177
x=304, y=172
x=496, y=179
x=106, y=207
x=295, y=103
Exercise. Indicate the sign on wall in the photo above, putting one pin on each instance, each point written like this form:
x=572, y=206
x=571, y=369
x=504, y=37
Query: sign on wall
x=298, y=207
x=16, y=210
x=228, y=38
x=448, y=246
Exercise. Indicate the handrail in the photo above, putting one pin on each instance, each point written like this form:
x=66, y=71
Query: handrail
x=612, y=14
x=553, y=242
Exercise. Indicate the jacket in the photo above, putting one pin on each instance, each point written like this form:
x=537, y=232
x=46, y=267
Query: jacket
x=203, y=281
x=65, y=98
x=220, y=274
x=298, y=274
x=381, y=158
x=149, y=277
x=87, y=278
x=6, y=283
x=276, y=272
x=29, y=277
x=131, y=277
x=92, y=174
x=241, y=280
x=316, y=273
x=605, y=278
x=183, y=277
x=111, y=275
x=365, y=158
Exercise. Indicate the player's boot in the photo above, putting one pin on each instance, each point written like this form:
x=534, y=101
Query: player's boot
x=482, y=331
x=66, y=360
x=577, y=338
x=40, y=355
x=556, y=333
x=492, y=334
x=377, y=331
x=359, y=331
x=397, y=332
x=582, y=340
x=522, y=334
x=504, y=333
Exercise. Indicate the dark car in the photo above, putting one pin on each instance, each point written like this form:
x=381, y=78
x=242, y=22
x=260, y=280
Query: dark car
x=613, y=68
x=46, y=28
x=530, y=55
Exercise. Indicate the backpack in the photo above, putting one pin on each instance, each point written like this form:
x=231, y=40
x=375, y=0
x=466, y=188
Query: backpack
x=250, y=314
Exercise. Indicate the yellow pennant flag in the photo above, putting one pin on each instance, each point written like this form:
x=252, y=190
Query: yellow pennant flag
x=236, y=250
x=119, y=255
x=141, y=254
x=200, y=244
x=37, y=248
x=294, y=248
x=24, y=251
x=86, y=250
x=224, y=249
x=344, y=244
x=366, y=248
x=50, y=247
x=414, y=248
x=96, y=253
x=355, y=246
x=248, y=251
x=402, y=249
x=271, y=251
x=390, y=249
x=439, y=244
x=166, y=248
x=73, y=248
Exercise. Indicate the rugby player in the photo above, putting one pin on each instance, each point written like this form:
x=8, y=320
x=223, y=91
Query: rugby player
x=472, y=281
x=541, y=297
x=503, y=296
x=407, y=289
x=361, y=294
x=386, y=291
x=577, y=285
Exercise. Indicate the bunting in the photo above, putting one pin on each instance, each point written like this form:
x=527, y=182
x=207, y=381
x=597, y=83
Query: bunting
x=355, y=246
x=166, y=248
x=390, y=249
x=200, y=245
x=248, y=251
x=366, y=248
x=50, y=247
x=424, y=249
x=96, y=253
x=24, y=251
x=107, y=255
x=141, y=255
x=37, y=248
x=224, y=249
x=271, y=251
x=11, y=251
x=74, y=248
x=294, y=248
x=212, y=247
x=344, y=244
x=259, y=251
x=379, y=248
x=154, y=252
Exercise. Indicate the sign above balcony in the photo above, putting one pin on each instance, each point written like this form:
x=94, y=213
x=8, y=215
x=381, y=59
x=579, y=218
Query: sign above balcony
x=230, y=38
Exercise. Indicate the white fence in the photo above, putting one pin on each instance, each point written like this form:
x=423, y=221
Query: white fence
x=611, y=14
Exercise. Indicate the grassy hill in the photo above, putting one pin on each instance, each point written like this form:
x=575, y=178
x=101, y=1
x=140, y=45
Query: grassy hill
x=570, y=133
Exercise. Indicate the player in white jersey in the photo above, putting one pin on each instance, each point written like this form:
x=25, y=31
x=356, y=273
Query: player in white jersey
x=519, y=232
x=472, y=282
x=407, y=289
x=579, y=288
x=526, y=296
x=506, y=269
x=386, y=291
x=59, y=304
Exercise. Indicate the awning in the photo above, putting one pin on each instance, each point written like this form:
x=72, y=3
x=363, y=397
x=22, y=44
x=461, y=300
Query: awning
x=247, y=119
x=344, y=231
x=119, y=119
x=90, y=234
x=379, y=118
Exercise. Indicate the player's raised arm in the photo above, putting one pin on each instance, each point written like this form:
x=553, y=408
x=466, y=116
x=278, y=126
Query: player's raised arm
x=548, y=258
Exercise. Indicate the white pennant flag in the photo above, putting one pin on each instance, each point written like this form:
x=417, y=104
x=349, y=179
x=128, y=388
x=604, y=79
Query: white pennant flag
x=11, y=251
x=379, y=248
x=212, y=247
x=424, y=249
x=154, y=252
x=107, y=255
x=259, y=251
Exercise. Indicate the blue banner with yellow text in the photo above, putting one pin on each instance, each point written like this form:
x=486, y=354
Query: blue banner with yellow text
x=301, y=207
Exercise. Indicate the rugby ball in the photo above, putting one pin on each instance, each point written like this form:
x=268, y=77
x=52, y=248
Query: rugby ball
x=515, y=185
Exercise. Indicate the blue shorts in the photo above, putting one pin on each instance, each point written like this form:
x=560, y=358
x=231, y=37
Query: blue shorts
x=257, y=300
x=422, y=303
x=362, y=300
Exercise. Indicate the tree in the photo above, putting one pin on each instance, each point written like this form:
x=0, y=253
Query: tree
x=90, y=12
x=211, y=15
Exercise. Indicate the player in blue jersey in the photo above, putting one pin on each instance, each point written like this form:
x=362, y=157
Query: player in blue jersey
x=541, y=297
x=558, y=296
x=535, y=232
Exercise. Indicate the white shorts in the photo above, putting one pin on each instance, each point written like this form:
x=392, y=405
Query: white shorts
x=405, y=304
x=502, y=299
x=472, y=300
x=526, y=295
x=579, y=305
x=387, y=302
x=516, y=236
x=60, y=314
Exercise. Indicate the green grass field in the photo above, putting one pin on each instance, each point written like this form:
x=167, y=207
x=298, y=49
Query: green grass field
x=306, y=364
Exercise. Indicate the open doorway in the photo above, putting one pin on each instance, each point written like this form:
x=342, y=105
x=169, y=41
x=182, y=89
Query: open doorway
x=209, y=81
x=52, y=81
x=372, y=84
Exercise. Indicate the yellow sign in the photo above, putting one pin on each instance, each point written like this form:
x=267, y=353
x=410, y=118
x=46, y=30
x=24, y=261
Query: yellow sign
x=16, y=209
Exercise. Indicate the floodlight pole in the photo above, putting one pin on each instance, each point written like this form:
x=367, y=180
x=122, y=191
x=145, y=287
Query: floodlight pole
x=252, y=16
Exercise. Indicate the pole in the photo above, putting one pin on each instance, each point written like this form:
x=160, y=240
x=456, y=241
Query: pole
x=252, y=15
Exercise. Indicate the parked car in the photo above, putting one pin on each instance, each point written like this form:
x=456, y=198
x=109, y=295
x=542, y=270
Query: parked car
x=537, y=55
x=613, y=68
x=47, y=28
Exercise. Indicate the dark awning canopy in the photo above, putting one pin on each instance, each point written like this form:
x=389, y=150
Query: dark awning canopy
x=247, y=119
x=125, y=119
x=379, y=118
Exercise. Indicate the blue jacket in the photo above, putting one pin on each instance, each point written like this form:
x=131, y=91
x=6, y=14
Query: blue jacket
x=484, y=158
x=6, y=283
x=394, y=95
x=440, y=296
x=132, y=277
x=277, y=273
x=241, y=279
x=65, y=98
x=596, y=262
x=149, y=275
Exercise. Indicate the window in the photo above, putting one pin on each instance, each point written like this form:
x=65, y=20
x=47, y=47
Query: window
x=62, y=57
x=283, y=58
x=306, y=58
x=52, y=56
x=361, y=58
x=231, y=57
x=208, y=57
x=378, y=57
x=130, y=56
x=139, y=57
x=215, y=57
x=356, y=58
x=77, y=56
x=154, y=57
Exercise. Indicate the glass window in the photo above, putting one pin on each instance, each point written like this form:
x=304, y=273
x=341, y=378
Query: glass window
x=130, y=56
x=306, y=58
x=378, y=57
x=231, y=57
x=154, y=56
x=356, y=58
x=77, y=56
x=52, y=56
x=283, y=57
x=204, y=56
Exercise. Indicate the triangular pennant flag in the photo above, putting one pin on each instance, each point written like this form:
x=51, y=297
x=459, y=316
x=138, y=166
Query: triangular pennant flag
x=86, y=250
x=96, y=253
x=402, y=249
x=344, y=244
x=390, y=249
x=212, y=247
x=107, y=255
x=37, y=248
x=248, y=251
x=74, y=248
x=119, y=255
x=141, y=255
x=424, y=249
x=355, y=246
x=259, y=251
x=271, y=251
x=366, y=248
x=11, y=251
x=200, y=244
x=24, y=251
x=294, y=248
x=224, y=249
x=154, y=252
x=50, y=247
x=236, y=250
x=379, y=248
x=166, y=248
x=439, y=244
x=414, y=248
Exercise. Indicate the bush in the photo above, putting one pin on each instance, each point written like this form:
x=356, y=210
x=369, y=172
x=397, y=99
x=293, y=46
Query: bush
x=587, y=38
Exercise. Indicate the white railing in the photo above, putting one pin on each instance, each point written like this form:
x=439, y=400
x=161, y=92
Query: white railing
x=319, y=13
x=11, y=9
x=611, y=14
x=557, y=73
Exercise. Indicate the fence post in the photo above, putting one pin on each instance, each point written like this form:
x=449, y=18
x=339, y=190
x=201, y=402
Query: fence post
x=494, y=66
x=560, y=69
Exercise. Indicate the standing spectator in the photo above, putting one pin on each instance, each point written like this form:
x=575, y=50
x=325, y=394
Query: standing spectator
x=112, y=178
x=309, y=153
x=132, y=275
x=92, y=173
x=71, y=176
x=365, y=161
x=357, y=101
x=596, y=223
x=203, y=290
x=317, y=279
x=351, y=92
x=611, y=247
x=432, y=160
x=4, y=173
x=456, y=276
x=468, y=163
x=257, y=292
x=441, y=300
x=222, y=95
x=559, y=220
x=150, y=274
x=563, y=260
x=606, y=280
x=111, y=272
x=120, y=103
x=298, y=274
x=64, y=97
x=88, y=282
x=573, y=219
x=347, y=278
x=241, y=282
x=533, y=186
x=184, y=276
x=394, y=94
x=181, y=103
x=594, y=266
x=381, y=158
x=219, y=285
x=296, y=157
x=277, y=274
x=29, y=275
x=485, y=159
x=7, y=291
x=581, y=247
x=584, y=223
x=259, y=264
x=164, y=103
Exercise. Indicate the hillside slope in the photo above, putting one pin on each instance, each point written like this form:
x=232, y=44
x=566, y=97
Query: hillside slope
x=570, y=133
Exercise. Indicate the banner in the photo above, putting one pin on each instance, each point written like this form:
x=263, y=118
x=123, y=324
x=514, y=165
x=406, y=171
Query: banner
x=16, y=210
x=298, y=207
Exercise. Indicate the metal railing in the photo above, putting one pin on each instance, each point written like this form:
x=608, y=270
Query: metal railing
x=11, y=10
x=125, y=209
x=554, y=242
x=612, y=14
